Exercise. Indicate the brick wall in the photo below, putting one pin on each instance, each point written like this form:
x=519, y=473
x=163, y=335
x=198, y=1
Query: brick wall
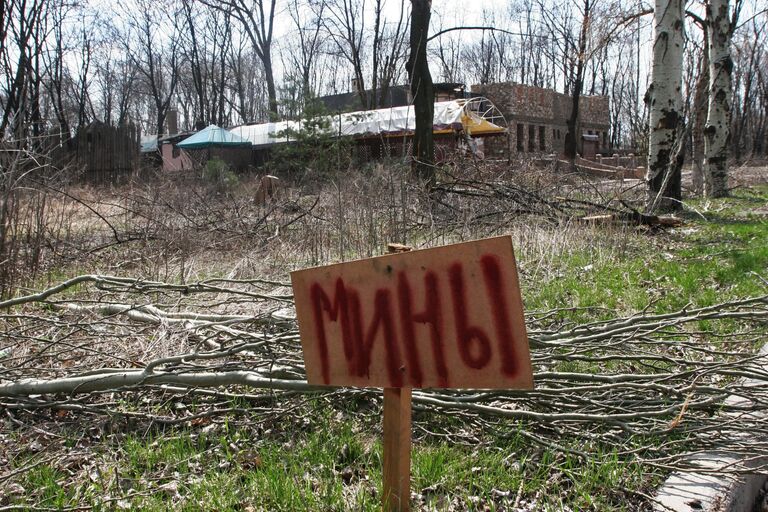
x=595, y=112
x=537, y=117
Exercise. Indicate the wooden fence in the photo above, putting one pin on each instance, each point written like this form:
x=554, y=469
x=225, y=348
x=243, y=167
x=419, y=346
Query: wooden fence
x=107, y=153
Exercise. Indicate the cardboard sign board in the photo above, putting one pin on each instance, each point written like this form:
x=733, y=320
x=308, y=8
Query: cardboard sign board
x=448, y=317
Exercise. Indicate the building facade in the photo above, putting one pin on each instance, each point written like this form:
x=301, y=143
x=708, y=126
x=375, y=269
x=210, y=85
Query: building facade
x=537, y=119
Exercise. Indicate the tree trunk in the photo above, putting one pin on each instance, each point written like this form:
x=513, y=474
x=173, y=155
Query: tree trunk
x=717, y=133
x=573, y=134
x=699, y=121
x=422, y=92
x=373, y=101
x=160, y=120
x=665, y=101
x=269, y=77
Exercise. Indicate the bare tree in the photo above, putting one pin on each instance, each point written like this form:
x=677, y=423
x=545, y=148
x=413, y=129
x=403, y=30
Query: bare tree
x=749, y=64
x=207, y=43
x=534, y=42
x=489, y=58
x=156, y=58
x=375, y=55
x=699, y=109
x=665, y=154
x=257, y=19
x=115, y=82
x=422, y=91
x=345, y=25
x=573, y=40
x=309, y=42
x=573, y=134
x=250, y=98
x=54, y=57
x=447, y=52
x=23, y=34
x=81, y=82
x=389, y=52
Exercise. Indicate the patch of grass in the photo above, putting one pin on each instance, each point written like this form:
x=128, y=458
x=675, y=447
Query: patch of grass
x=702, y=263
x=334, y=464
x=46, y=480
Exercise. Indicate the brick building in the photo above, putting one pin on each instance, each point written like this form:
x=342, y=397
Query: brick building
x=537, y=119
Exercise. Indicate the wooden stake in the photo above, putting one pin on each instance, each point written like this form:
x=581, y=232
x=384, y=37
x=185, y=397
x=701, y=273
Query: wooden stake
x=397, y=440
x=397, y=450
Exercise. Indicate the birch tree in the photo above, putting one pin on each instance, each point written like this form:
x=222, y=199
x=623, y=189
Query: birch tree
x=717, y=134
x=697, y=136
x=699, y=111
x=664, y=97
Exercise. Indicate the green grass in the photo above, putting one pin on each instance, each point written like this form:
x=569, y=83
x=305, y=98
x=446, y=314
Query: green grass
x=333, y=465
x=47, y=480
x=702, y=263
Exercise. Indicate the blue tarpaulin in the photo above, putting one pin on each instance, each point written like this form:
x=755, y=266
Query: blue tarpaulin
x=213, y=136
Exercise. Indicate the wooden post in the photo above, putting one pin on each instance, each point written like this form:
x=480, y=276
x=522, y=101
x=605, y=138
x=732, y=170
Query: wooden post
x=397, y=450
x=397, y=440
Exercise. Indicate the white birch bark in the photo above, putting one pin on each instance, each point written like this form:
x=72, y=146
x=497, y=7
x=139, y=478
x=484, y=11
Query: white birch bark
x=717, y=133
x=665, y=100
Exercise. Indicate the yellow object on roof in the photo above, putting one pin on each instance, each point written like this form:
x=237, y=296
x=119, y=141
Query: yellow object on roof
x=475, y=126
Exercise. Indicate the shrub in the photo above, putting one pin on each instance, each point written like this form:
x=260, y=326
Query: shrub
x=218, y=173
x=315, y=152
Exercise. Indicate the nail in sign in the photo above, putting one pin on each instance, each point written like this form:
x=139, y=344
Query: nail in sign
x=448, y=317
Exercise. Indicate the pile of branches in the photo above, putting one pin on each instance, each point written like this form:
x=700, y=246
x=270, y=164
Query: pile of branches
x=668, y=385
x=548, y=197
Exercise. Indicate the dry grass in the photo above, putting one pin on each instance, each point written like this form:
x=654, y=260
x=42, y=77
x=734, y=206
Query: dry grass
x=185, y=231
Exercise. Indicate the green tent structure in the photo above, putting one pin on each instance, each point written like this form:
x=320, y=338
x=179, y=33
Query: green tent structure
x=212, y=137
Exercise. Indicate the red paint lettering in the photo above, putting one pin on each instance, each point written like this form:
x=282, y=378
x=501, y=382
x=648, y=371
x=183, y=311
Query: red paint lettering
x=346, y=310
x=340, y=308
x=382, y=317
x=432, y=316
x=498, y=300
x=465, y=333
x=474, y=344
